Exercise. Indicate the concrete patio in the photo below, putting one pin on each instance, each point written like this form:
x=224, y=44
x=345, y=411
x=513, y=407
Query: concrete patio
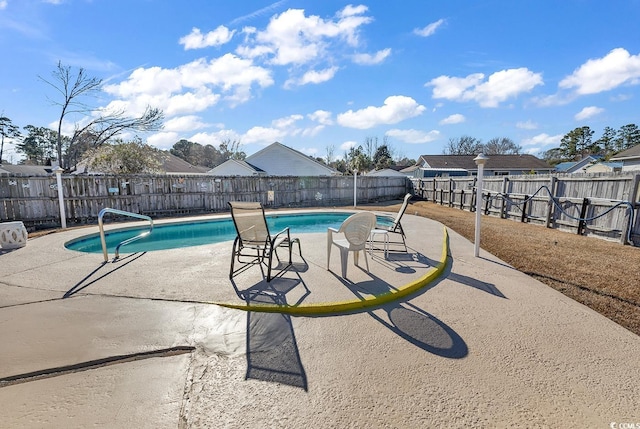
x=138, y=343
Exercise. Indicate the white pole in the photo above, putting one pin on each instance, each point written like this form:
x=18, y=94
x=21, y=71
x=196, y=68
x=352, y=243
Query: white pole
x=355, y=189
x=480, y=161
x=63, y=216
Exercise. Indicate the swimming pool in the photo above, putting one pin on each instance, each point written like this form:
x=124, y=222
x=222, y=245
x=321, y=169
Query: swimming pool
x=195, y=233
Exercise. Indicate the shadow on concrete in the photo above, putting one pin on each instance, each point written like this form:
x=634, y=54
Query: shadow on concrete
x=272, y=349
x=410, y=322
x=474, y=283
x=86, y=282
x=423, y=330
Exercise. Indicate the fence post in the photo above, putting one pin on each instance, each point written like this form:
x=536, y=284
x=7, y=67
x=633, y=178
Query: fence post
x=472, y=208
x=583, y=213
x=451, y=192
x=634, y=197
x=433, y=188
x=523, y=216
x=487, y=202
x=503, y=205
x=551, y=206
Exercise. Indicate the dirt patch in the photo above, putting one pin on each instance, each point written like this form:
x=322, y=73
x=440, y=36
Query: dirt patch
x=600, y=274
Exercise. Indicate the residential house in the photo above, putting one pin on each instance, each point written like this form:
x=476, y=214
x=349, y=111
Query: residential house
x=571, y=167
x=464, y=165
x=274, y=160
x=172, y=164
x=235, y=167
x=392, y=171
x=630, y=159
x=27, y=170
x=604, y=167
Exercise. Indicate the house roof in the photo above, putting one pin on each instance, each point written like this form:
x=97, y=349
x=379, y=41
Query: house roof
x=386, y=172
x=631, y=153
x=575, y=166
x=272, y=157
x=172, y=164
x=409, y=169
x=31, y=170
x=495, y=162
x=564, y=166
x=235, y=163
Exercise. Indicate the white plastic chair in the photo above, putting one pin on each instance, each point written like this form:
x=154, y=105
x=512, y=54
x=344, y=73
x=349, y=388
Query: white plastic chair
x=351, y=237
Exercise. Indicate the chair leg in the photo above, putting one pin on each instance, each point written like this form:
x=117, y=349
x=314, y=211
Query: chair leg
x=233, y=257
x=344, y=258
x=366, y=260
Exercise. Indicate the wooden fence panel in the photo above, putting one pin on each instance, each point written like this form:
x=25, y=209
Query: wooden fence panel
x=34, y=199
x=556, y=201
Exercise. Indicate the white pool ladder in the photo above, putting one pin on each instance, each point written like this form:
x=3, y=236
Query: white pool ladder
x=103, y=241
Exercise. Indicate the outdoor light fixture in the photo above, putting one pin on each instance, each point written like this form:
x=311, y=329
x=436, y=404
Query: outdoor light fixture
x=480, y=161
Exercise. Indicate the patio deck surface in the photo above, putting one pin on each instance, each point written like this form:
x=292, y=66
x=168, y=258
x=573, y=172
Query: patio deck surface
x=138, y=342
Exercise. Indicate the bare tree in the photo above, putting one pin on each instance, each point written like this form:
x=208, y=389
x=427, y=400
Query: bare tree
x=330, y=154
x=501, y=146
x=465, y=145
x=73, y=88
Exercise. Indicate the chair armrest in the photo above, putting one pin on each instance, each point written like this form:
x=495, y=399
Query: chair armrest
x=275, y=237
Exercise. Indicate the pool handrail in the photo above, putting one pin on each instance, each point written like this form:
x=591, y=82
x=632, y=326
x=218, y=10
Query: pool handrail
x=103, y=240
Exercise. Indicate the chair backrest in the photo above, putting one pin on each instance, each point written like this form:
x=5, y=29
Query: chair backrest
x=356, y=228
x=396, y=222
x=250, y=221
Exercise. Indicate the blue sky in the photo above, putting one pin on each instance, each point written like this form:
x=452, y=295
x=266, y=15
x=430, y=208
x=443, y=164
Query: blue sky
x=319, y=74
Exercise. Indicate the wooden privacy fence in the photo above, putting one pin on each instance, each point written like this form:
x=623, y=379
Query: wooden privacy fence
x=602, y=206
x=34, y=199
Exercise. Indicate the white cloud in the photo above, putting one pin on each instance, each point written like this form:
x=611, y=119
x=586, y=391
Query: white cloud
x=588, y=112
x=321, y=116
x=259, y=12
x=311, y=151
x=429, y=29
x=543, y=140
x=292, y=38
x=313, y=76
x=456, y=118
x=368, y=59
x=499, y=87
x=279, y=129
x=527, y=125
x=348, y=145
x=263, y=135
x=396, y=108
x=190, y=87
x=3, y=4
x=215, y=138
x=602, y=74
x=184, y=123
x=312, y=131
x=414, y=136
x=286, y=122
x=197, y=40
x=163, y=140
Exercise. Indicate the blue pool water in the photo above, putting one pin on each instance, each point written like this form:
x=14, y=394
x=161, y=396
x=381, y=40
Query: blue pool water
x=195, y=233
